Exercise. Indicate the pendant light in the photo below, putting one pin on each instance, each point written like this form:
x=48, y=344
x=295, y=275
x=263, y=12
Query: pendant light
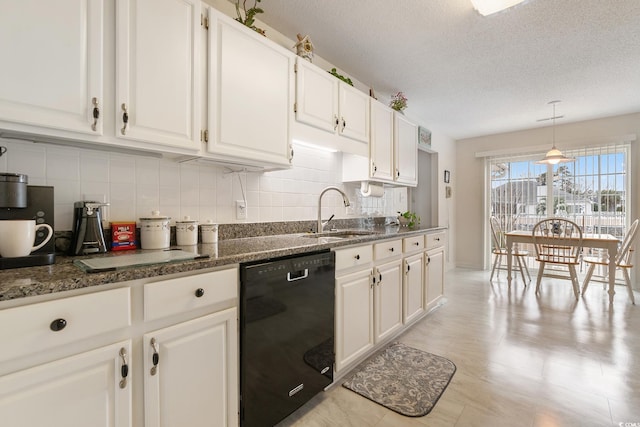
x=554, y=156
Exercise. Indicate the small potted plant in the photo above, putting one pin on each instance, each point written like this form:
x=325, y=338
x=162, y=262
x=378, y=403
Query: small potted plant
x=249, y=15
x=408, y=219
x=398, y=102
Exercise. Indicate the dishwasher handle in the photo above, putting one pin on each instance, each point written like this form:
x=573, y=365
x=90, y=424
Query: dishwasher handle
x=297, y=275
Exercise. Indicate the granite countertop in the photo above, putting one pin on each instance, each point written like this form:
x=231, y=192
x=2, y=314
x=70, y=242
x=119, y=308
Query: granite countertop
x=65, y=275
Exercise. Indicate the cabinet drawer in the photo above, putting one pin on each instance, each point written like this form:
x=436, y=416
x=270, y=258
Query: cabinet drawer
x=388, y=249
x=412, y=244
x=30, y=329
x=353, y=257
x=435, y=240
x=182, y=294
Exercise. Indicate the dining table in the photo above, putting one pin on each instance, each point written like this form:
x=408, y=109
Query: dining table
x=599, y=240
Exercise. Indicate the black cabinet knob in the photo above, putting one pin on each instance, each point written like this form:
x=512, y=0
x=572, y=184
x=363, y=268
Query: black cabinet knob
x=357, y=256
x=58, y=325
x=199, y=292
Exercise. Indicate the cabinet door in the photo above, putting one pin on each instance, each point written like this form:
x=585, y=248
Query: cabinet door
x=406, y=150
x=354, y=317
x=157, y=73
x=77, y=391
x=413, y=287
x=353, y=108
x=251, y=88
x=193, y=379
x=388, y=299
x=435, y=276
x=381, y=143
x=51, y=68
x=316, y=97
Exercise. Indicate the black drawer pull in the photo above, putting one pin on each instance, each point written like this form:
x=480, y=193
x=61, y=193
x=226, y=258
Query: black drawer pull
x=58, y=325
x=357, y=256
x=155, y=357
x=124, y=369
x=199, y=293
x=391, y=249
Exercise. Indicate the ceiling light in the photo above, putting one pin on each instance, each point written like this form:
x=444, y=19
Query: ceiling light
x=554, y=156
x=487, y=7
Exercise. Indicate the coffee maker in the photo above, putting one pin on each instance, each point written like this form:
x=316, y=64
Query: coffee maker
x=21, y=201
x=88, y=237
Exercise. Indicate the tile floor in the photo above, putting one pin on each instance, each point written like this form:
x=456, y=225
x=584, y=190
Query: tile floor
x=522, y=360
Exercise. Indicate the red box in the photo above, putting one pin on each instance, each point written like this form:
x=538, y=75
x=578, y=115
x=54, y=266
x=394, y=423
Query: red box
x=123, y=236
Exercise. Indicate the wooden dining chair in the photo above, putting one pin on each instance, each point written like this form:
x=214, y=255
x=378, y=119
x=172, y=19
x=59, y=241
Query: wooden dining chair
x=558, y=241
x=499, y=251
x=623, y=261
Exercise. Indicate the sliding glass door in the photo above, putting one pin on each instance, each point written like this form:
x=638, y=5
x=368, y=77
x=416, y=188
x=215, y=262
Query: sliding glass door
x=593, y=191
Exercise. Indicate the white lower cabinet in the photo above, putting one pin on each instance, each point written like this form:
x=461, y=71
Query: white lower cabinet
x=383, y=288
x=434, y=268
x=64, y=364
x=86, y=389
x=190, y=362
x=190, y=372
x=388, y=299
x=413, y=303
x=82, y=361
x=354, y=317
x=434, y=276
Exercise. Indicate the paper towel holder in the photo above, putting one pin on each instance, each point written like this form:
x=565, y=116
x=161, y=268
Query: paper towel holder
x=371, y=190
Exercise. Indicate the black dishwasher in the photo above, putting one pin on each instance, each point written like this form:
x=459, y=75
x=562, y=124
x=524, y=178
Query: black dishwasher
x=286, y=335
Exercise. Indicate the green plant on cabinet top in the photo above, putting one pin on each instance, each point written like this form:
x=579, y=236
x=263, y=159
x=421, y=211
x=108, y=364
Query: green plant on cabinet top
x=347, y=80
x=249, y=14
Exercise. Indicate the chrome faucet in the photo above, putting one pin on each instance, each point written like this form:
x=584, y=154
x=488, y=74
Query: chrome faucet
x=345, y=200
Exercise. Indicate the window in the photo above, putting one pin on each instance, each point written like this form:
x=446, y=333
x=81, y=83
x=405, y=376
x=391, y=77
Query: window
x=593, y=191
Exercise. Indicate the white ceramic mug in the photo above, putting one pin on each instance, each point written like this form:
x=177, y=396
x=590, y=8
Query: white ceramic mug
x=17, y=237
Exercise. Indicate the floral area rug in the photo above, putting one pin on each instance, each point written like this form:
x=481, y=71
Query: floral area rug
x=404, y=379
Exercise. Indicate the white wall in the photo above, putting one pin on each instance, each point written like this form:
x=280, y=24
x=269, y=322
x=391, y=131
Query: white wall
x=446, y=209
x=470, y=195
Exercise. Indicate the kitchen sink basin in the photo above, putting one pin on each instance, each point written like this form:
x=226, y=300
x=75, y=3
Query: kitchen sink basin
x=342, y=234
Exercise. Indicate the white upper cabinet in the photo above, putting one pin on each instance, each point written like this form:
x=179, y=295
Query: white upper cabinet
x=406, y=150
x=157, y=72
x=381, y=143
x=393, y=150
x=316, y=97
x=251, y=89
x=325, y=102
x=52, y=62
x=353, y=107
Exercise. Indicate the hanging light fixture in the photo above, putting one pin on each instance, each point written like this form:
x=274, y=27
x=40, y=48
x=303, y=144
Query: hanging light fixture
x=554, y=156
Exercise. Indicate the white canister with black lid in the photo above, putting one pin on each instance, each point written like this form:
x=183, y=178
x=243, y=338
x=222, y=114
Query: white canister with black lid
x=155, y=231
x=187, y=232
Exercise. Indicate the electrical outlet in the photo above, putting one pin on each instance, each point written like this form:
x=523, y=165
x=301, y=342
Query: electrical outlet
x=241, y=209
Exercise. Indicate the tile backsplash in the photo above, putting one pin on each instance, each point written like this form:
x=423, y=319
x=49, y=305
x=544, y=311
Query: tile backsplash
x=135, y=185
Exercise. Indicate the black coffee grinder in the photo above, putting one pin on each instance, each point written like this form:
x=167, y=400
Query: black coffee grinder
x=21, y=201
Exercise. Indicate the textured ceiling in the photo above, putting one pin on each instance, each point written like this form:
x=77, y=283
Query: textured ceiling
x=466, y=75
